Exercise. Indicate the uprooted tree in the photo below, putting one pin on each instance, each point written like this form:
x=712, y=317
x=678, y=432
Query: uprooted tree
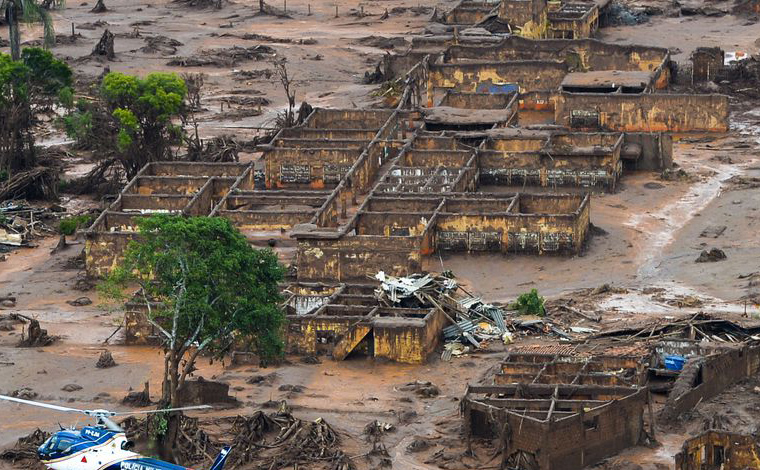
x=213, y=290
x=29, y=88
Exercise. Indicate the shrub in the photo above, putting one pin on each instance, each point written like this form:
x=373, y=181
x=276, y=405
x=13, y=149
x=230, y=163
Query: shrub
x=530, y=303
x=69, y=225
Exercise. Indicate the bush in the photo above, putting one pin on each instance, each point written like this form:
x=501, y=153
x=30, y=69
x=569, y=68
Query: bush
x=69, y=225
x=530, y=303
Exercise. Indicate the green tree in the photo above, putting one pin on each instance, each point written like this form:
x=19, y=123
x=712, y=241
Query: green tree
x=144, y=111
x=26, y=11
x=31, y=86
x=213, y=289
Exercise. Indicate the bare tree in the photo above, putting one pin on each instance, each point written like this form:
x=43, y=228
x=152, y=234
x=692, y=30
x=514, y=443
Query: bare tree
x=288, y=119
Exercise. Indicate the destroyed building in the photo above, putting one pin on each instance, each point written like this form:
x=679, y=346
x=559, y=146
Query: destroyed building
x=528, y=18
x=719, y=449
x=555, y=427
x=618, y=378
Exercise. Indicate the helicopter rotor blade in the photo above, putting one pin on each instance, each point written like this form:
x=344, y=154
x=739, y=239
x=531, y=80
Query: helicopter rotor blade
x=184, y=408
x=42, y=405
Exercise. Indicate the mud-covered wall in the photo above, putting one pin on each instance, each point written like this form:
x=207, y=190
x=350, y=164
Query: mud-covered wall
x=719, y=449
x=580, y=55
x=267, y=220
x=578, y=441
x=548, y=169
x=314, y=168
x=511, y=232
x=353, y=258
x=477, y=100
x=528, y=16
x=390, y=224
x=495, y=77
x=564, y=442
x=574, y=28
x=644, y=112
x=177, y=185
x=347, y=119
x=201, y=169
x=656, y=149
x=705, y=377
x=102, y=251
x=468, y=12
x=303, y=332
x=402, y=340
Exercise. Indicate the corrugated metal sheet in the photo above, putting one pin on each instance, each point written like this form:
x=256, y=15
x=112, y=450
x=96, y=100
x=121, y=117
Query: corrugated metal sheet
x=453, y=331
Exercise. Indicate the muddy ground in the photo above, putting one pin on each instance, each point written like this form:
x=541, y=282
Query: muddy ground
x=654, y=230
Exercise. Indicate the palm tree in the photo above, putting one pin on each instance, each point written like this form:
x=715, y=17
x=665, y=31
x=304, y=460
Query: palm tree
x=27, y=11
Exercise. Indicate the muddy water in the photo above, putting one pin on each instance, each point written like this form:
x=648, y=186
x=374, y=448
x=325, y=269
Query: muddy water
x=661, y=226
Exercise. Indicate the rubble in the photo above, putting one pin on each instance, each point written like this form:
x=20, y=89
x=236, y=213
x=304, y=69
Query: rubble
x=711, y=256
x=421, y=388
x=25, y=449
x=224, y=57
x=105, y=360
x=26, y=393
x=138, y=399
x=80, y=302
x=160, y=44
x=295, y=442
x=71, y=388
x=21, y=224
x=35, y=336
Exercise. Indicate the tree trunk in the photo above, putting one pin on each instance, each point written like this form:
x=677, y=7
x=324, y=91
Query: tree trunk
x=261, y=6
x=168, y=442
x=12, y=16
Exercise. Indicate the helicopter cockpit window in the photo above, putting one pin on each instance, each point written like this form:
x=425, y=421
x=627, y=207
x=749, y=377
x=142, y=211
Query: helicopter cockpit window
x=63, y=445
x=57, y=445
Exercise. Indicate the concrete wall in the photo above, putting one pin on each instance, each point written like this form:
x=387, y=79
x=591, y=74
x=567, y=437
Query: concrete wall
x=468, y=12
x=102, y=251
x=580, y=55
x=353, y=258
x=528, y=75
x=313, y=168
x=647, y=112
x=527, y=16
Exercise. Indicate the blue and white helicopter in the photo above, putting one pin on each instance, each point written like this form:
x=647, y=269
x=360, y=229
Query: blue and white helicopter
x=103, y=446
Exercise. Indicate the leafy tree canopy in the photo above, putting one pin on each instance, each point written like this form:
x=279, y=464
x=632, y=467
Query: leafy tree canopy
x=212, y=285
x=37, y=75
x=32, y=85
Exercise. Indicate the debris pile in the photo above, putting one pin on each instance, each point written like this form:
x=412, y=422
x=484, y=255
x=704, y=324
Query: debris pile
x=279, y=440
x=224, y=57
x=138, y=399
x=700, y=327
x=25, y=450
x=21, y=223
x=105, y=360
x=473, y=323
x=711, y=256
x=160, y=45
x=35, y=336
x=104, y=47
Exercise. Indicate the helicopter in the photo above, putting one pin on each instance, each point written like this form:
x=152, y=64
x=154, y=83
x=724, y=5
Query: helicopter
x=103, y=446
